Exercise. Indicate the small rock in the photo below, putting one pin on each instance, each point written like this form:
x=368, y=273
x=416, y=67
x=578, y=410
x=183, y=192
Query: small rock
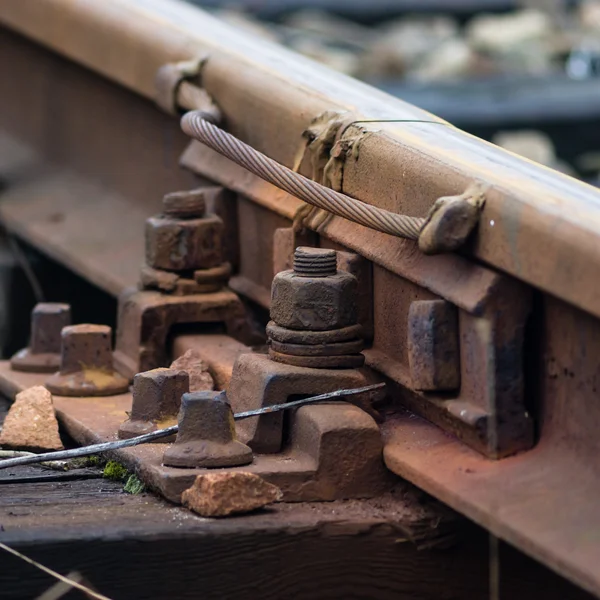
x=454, y=58
x=31, y=423
x=500, y=33
x=222, y=494
x=197, y=369
x=401, y=44
x=523, y=41
x=589, y=15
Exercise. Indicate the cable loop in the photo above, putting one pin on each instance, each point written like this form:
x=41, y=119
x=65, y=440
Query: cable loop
x=196, y=126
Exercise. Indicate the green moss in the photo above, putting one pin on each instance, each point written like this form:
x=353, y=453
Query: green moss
x=95, y=461
x=134, y=485
x=115, y=471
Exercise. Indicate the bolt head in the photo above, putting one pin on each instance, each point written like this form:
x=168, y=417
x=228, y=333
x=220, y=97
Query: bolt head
x=86, y=346
x=314, y=303
x=47, y=321
x=184, y=245
x=157, y=393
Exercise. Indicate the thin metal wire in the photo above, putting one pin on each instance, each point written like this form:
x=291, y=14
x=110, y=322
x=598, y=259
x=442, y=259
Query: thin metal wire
x=195, y=125
x=86, y=590
x=160, y=433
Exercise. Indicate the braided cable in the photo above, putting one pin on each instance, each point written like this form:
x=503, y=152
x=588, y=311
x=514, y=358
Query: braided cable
x=196, y=126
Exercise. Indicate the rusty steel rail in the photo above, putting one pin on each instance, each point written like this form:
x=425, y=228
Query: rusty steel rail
x=532, y=216
x=522, y=293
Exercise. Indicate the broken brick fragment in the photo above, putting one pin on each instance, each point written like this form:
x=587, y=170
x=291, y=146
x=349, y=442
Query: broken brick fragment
x=197, y=369
x=223, y=494
x=31, y=423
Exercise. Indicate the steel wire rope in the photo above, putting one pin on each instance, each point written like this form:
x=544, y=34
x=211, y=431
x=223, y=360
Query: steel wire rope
x=198, y=127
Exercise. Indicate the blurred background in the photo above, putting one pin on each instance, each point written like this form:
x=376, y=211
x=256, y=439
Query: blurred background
x=523, y=74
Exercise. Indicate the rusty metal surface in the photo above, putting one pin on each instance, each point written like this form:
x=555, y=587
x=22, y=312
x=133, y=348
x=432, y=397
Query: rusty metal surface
x=259, y=381
x=544, y=500
x=316, y=466
x=538, y=226
x=43, y=353
x=86, y=363
x=146, y=318
x=53, y=210
x=155, y=400
x=532, y=216
x=206, y=436
x=432, y=344
x=62, y=190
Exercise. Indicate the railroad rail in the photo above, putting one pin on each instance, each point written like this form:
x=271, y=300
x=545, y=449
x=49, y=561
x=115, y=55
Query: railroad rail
x=493, y=345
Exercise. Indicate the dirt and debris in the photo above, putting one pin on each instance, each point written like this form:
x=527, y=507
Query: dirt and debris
x=197, y=369
x=223, y=494
x=31, y=423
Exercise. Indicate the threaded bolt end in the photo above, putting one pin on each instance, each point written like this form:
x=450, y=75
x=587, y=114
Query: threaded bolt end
x=315, y=262
x=185, y=205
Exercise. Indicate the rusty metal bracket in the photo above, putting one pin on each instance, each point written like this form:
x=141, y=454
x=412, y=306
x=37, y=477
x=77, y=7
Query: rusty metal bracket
x=146, y=318
x=178, y=88
x=322, y=438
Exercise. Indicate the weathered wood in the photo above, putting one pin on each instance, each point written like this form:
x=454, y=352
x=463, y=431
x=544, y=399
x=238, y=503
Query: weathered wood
x=401, y=546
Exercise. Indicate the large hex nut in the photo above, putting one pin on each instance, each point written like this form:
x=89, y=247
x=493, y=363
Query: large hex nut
x=314, y=303
x=184, y=245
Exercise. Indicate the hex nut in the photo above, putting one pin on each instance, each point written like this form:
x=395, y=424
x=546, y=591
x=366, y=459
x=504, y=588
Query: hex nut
x=314, y=303
x=184, y=245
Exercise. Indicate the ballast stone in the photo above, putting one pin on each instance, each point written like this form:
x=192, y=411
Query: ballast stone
x=197, y=369
x=31, y=423
x=223, y=494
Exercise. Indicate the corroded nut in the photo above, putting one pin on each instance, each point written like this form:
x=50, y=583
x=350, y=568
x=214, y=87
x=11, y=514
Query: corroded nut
x=184, y=245
x=43, y=353
x=314, y=303
x=86, y=346
x=206, y=436
x=156, y=400
x=47, y=321
x=86, y=366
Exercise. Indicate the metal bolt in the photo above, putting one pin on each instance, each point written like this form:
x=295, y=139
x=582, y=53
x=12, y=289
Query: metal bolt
x=314, y=262
x=86, y=345
x=156, y=400
x=314, y=296
x=185, y=205
x=206, y=436
x=86, y=365
x=47, y=321
x=43, y=353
